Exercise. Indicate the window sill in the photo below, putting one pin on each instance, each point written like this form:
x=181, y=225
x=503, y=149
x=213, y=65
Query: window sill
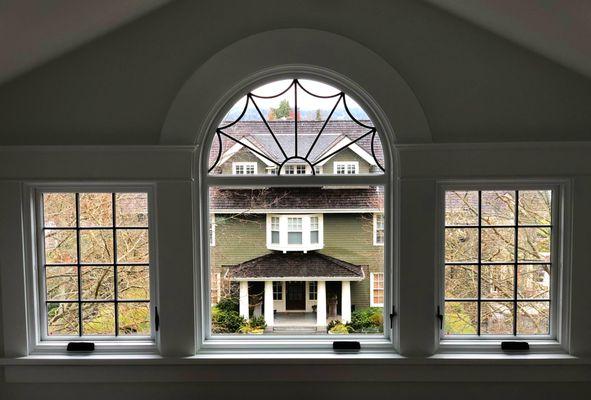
x=493, y=347
x=300, y=367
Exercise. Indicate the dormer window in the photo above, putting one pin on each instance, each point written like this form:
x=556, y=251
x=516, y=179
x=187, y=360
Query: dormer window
x=294, y=232
x=244, y=168
x=346, y=167
x=295, y=169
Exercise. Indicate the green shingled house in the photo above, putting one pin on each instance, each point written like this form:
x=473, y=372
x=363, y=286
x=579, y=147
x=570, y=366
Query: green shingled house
x=317, y=251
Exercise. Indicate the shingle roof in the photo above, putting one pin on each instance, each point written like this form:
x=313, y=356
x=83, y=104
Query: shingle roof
x=292, y=265
x=295, y=198
x=258, y=134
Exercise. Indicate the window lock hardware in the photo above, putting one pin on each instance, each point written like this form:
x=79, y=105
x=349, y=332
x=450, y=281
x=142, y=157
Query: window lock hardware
x=81, y=347
x=440, y=317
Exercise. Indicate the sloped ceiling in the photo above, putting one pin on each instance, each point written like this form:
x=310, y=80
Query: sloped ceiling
x=558, y=29
x=33, y=32
x=474, y=85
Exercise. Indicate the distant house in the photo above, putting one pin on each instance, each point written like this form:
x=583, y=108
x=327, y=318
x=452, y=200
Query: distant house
x=297, y=249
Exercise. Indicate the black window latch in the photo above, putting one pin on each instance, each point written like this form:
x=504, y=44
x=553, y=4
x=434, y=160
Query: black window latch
x=392, y=315
x=156, y=319
x=440, y=317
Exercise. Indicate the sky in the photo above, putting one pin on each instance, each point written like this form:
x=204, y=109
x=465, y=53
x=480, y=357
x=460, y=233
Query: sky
x=305, y=101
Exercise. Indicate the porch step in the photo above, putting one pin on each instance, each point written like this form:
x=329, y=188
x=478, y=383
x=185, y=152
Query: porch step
x=299, y=328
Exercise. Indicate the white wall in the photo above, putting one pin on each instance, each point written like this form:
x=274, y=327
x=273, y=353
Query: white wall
x=420, y=168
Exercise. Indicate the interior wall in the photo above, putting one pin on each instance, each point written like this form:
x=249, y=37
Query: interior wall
x=421, y=167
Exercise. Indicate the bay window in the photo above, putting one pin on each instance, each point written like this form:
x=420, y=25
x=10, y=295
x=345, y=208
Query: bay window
x=294, y=232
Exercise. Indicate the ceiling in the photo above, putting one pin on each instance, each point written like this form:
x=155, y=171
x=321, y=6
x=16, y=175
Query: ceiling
x=87, y=72
x=558, y=29
x=35, y=31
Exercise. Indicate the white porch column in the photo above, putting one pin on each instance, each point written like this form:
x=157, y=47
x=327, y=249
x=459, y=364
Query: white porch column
x=321, y=305
x=346, y=301
x=269, y=304
x=244, y=299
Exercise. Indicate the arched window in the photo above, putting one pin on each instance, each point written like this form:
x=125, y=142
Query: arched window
x=296, y=182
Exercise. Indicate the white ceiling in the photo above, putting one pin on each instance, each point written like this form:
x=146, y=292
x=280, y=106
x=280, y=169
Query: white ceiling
x=557, y=29
x=35, y=31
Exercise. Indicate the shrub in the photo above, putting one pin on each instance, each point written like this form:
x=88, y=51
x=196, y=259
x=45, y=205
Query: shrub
x=258, y=322
x=229, y=303
x=339, y=329
x=368, y=320
x=226, y=321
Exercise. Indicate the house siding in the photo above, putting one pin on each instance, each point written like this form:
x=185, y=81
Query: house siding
x=348, y=237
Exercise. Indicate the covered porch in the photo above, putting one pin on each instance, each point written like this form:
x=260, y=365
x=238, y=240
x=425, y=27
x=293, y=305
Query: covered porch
x=298, y=290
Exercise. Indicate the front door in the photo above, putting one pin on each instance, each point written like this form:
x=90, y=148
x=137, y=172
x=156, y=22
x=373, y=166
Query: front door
x=296, y=296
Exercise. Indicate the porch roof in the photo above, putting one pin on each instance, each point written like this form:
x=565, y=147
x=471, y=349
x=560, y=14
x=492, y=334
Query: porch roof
x=295, y=266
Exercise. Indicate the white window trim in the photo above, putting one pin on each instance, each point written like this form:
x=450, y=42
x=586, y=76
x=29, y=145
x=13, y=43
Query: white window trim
x=372, y=288
x=306, y=244
x=38, y=342
x=345, y=164
x=375, y=230
x=244, y=164
x=559, y=338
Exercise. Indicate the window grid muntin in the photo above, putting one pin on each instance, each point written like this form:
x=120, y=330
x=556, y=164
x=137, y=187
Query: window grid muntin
x=516, y=263
x=114, y=228
x=313, y=290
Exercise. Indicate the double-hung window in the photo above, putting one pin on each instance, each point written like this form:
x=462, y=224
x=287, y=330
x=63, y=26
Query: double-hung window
x=294, y=230
x=500, y=264
x=378, y=229
x=244, y=168
x=94, y=264
x=346, y=167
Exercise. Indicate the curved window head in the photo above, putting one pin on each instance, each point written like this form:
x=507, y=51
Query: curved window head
x=296, y=127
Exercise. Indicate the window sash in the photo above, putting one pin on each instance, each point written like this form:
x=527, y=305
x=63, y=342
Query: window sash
x=556, y=309
x=40, y=336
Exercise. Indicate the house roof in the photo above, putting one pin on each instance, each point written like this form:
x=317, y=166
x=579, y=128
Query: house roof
x=282, y=198
x=258, y=135
x=279, y=265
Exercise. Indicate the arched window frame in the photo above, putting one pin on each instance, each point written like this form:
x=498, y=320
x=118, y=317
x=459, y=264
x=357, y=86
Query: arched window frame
x=205, y=180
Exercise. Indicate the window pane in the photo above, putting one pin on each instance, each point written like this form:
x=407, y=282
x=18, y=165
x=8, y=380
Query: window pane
x=294, y=238
x=534, y=244
x=535, y=207
x=59, y=210
x=533, y=281
x=498, y=208
x=61, y=283
x=131, y=209
x=314, y=237
x=97, y=283
x=62, y=319
x=134, y=319
x=96, y=209
x=533, y=318
x=461, y=282
x=96, y=246
x=461, y=318
x=274, y=237
x=497, y=281
x=98, y=318
x=461, y=208
x=498, y=244
x=132, y=245
x=461, y=244
x=133, y=282
x=60, y=246
x=497, y=318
